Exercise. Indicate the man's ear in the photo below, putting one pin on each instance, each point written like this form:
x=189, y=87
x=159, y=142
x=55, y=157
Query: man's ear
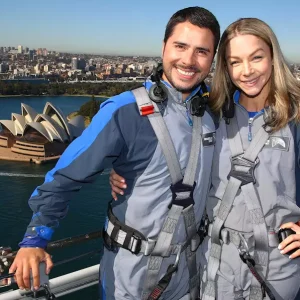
x=163, y=49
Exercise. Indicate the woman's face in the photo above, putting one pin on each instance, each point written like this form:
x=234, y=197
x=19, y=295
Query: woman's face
x=249, y=64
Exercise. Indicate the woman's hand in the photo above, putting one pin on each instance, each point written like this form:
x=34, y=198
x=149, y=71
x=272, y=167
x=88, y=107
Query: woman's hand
x=292, y=242
x=117, y=184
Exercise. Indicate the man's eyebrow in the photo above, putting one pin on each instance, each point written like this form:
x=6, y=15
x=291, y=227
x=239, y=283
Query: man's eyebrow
x=259, y=49
x=203, y=49
x=187, y=45
x=181, y=43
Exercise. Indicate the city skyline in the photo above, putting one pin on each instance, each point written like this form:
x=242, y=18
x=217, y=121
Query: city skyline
x=132, y=27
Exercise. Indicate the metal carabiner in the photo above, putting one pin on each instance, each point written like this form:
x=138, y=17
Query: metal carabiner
x=49, y=295
x=177, y=259
x=243, y=247
x=244, y=253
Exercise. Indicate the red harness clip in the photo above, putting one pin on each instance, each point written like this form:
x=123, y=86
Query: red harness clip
x=147, y=110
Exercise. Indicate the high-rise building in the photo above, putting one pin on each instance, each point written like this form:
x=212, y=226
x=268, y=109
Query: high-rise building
x=20, y=49
x=74, y=63
x=37, y=69
x=26, y=49
x=46, y=68
x=45, y=52
x=81, y=64
x=3, y=68
x=39, y=51
x=30, y=54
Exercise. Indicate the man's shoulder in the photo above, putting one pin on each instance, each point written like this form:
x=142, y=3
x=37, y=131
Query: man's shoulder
x=119, y=101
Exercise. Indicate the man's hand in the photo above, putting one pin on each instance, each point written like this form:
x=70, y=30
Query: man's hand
x=117, y=183
x=26, y=260
x=292, y=242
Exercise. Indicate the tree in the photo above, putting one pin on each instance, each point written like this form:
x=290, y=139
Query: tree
x=94, y=107
x=90, y=108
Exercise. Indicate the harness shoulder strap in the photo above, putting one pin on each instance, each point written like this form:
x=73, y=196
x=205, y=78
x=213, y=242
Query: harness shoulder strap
x=241, y=177
x=149, y=108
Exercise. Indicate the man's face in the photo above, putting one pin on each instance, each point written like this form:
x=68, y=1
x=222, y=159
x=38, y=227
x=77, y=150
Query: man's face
x=187, y=57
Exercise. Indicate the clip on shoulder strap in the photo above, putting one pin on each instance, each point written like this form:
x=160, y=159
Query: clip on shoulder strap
x=146, y=105
x=149, y=108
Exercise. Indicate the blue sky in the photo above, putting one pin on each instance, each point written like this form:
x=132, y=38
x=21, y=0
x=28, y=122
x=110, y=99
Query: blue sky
x=130, y=27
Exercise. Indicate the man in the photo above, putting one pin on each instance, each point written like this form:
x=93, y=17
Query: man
x=120, y=137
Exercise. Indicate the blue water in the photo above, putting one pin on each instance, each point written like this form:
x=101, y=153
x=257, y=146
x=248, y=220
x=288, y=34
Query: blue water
x=17, y=182
x=66, y=104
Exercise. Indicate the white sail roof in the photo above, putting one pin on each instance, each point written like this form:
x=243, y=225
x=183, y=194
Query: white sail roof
x=52, y=127
x=28, y=112
x=52, y=123
x=10, y=125
x=39, y=128
x=77, y=125
x=19, y=121
x=57, y=115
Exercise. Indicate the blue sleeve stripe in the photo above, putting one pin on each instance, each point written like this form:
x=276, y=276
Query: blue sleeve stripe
x=82, y=143
x=103, y=292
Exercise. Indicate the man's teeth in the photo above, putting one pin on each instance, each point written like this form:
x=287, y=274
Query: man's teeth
x=185, y=73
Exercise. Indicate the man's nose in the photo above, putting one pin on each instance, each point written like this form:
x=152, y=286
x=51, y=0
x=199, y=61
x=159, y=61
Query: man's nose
x=188, y=58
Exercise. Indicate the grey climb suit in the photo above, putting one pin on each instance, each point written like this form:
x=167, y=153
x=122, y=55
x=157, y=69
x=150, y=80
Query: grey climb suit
x=276, y=190
x=119, y=137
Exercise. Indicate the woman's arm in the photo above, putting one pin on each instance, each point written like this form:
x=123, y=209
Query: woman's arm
x=117, y=184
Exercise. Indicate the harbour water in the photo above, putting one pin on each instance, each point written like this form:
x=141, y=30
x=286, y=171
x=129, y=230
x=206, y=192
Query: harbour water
x=17, y=182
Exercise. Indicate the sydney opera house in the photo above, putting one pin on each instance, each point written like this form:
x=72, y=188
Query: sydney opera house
x=31, y=136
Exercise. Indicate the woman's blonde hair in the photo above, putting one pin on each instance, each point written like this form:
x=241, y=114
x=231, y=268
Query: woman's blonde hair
x=284, y=94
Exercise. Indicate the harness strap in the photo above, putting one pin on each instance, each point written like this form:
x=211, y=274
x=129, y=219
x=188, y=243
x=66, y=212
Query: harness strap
x=245, y=167
x=162, y=133
x=182, y=189
x=190, y=173
x=249, y=261
x=163, y=283
x=261, y=252
x=139, y=244
x=241, y=241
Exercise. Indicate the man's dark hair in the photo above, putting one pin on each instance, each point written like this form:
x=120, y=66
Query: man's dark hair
x=197, y=16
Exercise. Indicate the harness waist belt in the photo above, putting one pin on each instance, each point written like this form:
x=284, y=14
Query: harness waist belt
x=116, y=234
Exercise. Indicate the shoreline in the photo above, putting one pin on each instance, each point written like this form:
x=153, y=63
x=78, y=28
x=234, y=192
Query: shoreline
x=63, y=95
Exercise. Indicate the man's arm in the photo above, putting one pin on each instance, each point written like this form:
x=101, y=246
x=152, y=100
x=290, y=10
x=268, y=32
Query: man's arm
x=96, y=149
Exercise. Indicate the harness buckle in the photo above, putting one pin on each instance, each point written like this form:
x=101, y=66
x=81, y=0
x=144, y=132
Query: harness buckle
x=203, y=228
x=109, y=243
x=136, y=245
x=243, y=169
x=182, y=194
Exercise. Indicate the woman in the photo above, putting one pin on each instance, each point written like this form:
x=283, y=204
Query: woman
x=251, y=70
x=255, y=169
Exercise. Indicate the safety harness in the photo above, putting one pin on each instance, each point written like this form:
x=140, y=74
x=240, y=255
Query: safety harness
x=117, y=234
x=241, y=179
